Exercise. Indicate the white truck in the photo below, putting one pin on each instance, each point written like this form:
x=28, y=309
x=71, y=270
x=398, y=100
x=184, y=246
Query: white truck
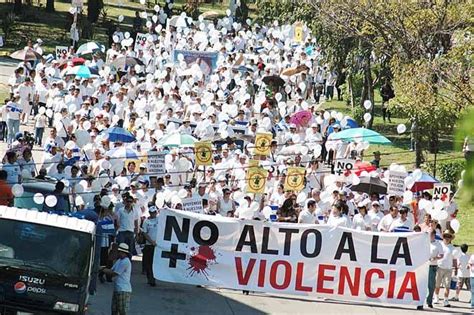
x=45, y=262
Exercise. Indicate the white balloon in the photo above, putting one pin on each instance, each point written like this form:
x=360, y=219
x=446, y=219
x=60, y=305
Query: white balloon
x=460, y=183
x=142, y=2
x=417, y=174
x=327, y=115
x=86, y=125
x=228, y=12
x=278, y=97
x=148, y=24
x=42, y=110
x=355, y=180
x=367, y=117
x=438, y=205
x=127, y=35
x=407, y=197
x=182, y=193
x=301, y=197
x=51, y=201
x=302, y=86
x=17, y=190
x=38, y=198
x=455, y=225
x=367, y=104
x=442, y=215
x=120, y=18
x=401, y=128
x=425, y=204
x=49, y=112
x=105, y=165
x=340, y=117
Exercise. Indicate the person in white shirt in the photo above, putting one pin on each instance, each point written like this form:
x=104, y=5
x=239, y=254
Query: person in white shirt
x=121, y=271
x=308, y=215
x=336, y=218
x=471, y=274
x=445, y=268
x=463, y=272
x=127, y=222
x=150, y=230
x=26, y=98
x=14, y=111
x=436, y=253
x=402, y=221
x=386, y=222
x=375, y=215
x=361, y=220
x=12, y=168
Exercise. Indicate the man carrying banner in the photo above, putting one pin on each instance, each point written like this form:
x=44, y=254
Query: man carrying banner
x=445, y=268
x=150, y=227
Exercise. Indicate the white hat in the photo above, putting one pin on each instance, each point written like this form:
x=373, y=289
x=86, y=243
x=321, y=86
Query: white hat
x=123, y=248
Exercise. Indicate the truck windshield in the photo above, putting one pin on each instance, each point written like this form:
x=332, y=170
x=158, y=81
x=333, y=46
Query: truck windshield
x=51, y=249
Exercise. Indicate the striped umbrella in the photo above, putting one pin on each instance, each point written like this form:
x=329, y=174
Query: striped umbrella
x=89, y=48
x=177, y=140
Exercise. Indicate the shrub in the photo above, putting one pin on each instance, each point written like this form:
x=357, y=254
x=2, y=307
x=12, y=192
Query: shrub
x=448, y=172
x=8, y=22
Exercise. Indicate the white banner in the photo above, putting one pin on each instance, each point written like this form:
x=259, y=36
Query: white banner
x=61, y=51
x=344, y=166
x=287, y=258
x=396, y=183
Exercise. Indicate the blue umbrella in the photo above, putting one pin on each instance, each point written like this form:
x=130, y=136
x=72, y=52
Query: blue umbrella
x=117, y=134
x=360, y=134
x=125, y=153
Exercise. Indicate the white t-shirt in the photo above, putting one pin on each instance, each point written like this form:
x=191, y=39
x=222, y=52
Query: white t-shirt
x=463, y=268
x=435, y=250
x=13, y=172
x=385, y=223
x=126, y=220
x=447, y=261
x=150, y=227
x=471, y=262
x=362, y=223
x=123, y=269
x=307, y=217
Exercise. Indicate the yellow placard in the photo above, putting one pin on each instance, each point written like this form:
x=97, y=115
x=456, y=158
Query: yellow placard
x=253, y=163
x=203, y=153
x=262, y=143
x=298, y=33
x=256, y=180
x=295, y=179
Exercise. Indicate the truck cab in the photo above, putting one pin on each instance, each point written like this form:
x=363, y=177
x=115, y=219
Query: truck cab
x=45, y=262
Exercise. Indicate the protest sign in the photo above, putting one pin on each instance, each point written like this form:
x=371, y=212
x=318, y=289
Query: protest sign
x=206, y=60
x=344, y=166
x=140, y=41
x=156, y=163
x=203, y=153
x=295, y=178
x=396, y=183
x=257, y=179
x=298, y=32
x=300, y=259
x=61, y=51
x=193, y=204
x=441, y=191
x=262, y=143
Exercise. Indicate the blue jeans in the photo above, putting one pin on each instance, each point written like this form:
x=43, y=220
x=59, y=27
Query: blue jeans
x=472, y=292
x=39, y=135
x=128, y=238
x=431, y=284
x=13, y=128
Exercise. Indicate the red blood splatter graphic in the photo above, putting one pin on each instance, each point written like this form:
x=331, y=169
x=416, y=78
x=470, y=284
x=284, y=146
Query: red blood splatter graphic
x=347, y=173
x=200, y=260
x=444, y=197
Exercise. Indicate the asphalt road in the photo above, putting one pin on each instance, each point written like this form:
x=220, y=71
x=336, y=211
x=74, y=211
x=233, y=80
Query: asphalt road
x=169, y=298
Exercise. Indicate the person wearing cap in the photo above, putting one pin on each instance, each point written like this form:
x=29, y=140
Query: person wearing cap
x=445, y=268
x=150, y=230
x=121, y=272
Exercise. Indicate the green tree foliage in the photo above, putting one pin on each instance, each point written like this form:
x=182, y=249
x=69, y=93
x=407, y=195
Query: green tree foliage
x=423, y=47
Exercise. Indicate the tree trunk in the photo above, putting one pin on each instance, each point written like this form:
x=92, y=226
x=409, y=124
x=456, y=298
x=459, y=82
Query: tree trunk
x=93, y=10
x=17, y=7
x=418, y=146
x=50, y=5
x=370, y=89
x=350, y=85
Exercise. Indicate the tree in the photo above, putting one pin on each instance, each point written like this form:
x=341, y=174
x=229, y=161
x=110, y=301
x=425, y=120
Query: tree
x=50, y=5
x=93, y=10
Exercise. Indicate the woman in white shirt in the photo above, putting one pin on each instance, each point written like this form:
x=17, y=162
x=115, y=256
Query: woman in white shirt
x=225, y=205
x=361, y=220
